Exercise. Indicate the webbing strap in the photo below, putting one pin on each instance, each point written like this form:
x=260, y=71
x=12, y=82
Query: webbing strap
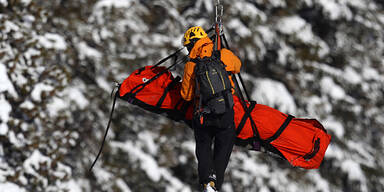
x=246, y=116
x=281, y=129
x=316, y=149
x=167, y=89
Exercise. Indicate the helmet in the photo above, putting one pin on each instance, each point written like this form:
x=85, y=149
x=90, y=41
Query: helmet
x=193, y=33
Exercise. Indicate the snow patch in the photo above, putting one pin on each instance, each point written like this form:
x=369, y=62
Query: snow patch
x=56, y=105
x=27, y=104
x=114, y=3
x=87, y=51
x=335, y=10
x=353, y=169
x=10, y=187
x=239, y=27
x=4, y=2
x=147, y=162
x=33, y=163
x=274, y=94
x=352, y=76
x=102, y=83
x=146, y=139
x=5, y=109
x=71, y=186
x=39, y=89
x=26, y=2
x=52, y=41
x=122, y=185
x=266, y=33
x=329, y=87
x=290, y=25
x=335, y=126
x=75, y=95
x=5, y=83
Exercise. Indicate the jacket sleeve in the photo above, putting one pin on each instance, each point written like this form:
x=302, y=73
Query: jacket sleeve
x=188, y=83
x=231, y=61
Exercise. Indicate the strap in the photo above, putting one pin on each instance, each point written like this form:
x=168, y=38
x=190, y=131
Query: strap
x=316, y=149
x=166, y=58
x=106, y=131
x=167, y=89
x=281, y=129
x=246, y=115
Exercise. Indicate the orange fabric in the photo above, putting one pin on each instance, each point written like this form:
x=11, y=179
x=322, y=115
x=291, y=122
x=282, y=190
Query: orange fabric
x=203, y=48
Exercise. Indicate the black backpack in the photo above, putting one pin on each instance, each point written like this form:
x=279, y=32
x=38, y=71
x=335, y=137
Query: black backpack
x=213, y=84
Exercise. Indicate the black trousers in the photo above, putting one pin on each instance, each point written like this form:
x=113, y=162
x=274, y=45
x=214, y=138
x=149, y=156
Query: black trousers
x=219, y=130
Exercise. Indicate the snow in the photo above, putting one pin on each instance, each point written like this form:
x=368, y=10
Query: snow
x=274, y=94
x=26, y=2
x=4, y=2
x=329, y=87
x=5, y=109
x=352, y=76
x=33, y=163
x=290, y=25
x=122, y=185
x=294, y=25
x=87, y=51
x=52, y=41
x=353, y=169
x=71, y=186
x=335, y=10
x=114, y=3
x=249, y=10
x=10, y=187
x=147, y=163
x=148, y=142
x=102, y=83
x=56, y=105
x=335, y=126
x=74, y=94
x=266, y=33
x=39, y=89
x=27, y=104
x=239, y=27
x=10, y=26
x=5, y=83
x=371, y=74
x=284, y=53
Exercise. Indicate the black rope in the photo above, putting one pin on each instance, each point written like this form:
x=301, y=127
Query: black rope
x=106, y=131
x=166, y=58
x=242, y=100
x=239, y=75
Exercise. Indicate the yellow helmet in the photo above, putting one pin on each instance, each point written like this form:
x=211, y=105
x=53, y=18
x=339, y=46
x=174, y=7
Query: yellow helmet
x=193, y=33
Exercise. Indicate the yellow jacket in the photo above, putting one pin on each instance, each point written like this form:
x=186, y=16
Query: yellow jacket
x=203, y=48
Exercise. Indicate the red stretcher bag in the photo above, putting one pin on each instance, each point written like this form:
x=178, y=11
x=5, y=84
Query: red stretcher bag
x=156, y=90
x=302, y=142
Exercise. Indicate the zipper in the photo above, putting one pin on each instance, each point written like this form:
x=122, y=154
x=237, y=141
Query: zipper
x=210, y=84
x=222, y=80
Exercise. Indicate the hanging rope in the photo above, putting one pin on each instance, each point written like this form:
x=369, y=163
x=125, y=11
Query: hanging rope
x=108, y=126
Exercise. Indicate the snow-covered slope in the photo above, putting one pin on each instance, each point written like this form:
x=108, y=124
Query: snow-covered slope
x=58, y=60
